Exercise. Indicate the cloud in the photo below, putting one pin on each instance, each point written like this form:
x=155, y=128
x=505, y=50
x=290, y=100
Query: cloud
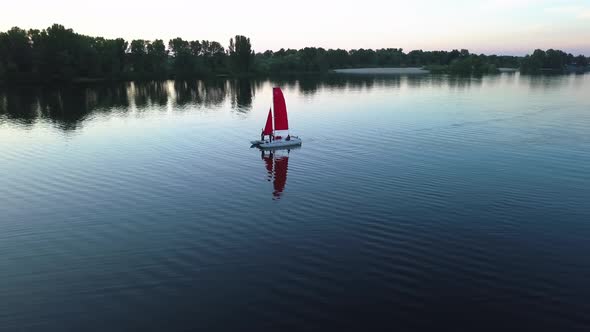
x=564, y=9
x=581, y=12
x=512, y=4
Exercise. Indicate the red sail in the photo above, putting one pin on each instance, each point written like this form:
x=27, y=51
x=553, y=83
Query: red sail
x=268, y=127
x=281, y=122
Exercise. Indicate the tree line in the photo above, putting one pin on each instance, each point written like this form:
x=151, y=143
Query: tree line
x=555, y=61
x=60, y=54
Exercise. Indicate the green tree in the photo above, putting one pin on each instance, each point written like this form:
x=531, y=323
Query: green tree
x=157, y=58
x=15, y=53
x=241, y=54
x=183, y=59
x=196, y=48
x=111, y=56
x=138, y=57
x=532, y=64
x=462, y=66
x=555, y=60
x=581, y=61
x=57, y=52
x=214, y=57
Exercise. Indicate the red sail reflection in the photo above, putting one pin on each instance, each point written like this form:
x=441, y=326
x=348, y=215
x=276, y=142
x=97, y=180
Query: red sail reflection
x=268, y=160
x=276, y=163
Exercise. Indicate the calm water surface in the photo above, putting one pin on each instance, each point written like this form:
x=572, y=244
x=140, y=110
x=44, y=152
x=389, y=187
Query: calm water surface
x=415, y=203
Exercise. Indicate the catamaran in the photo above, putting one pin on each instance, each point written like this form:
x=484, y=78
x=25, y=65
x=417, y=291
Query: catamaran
x=278, y=135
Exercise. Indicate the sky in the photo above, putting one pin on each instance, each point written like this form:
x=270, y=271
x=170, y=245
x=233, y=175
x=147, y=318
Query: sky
x=511, y=27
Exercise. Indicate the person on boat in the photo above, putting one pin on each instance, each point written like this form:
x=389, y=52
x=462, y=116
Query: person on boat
x=288, y=137
x=262, y=135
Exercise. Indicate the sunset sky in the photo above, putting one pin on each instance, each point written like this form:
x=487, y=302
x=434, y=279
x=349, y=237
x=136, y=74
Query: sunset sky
x=495, y=26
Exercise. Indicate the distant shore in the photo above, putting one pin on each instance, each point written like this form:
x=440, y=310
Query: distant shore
x=400, y=70
x=392, y=71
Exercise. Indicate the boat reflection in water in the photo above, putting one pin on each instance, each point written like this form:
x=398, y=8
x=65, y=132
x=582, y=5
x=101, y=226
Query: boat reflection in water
x=277, y=163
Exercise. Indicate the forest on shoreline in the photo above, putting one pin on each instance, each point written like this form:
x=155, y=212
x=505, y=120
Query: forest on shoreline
x=60, y=54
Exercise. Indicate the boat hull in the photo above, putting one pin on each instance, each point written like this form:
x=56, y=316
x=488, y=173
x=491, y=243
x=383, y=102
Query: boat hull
x=294, y=141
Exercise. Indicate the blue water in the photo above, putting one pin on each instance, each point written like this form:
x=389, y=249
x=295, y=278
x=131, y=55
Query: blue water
x=414, y=203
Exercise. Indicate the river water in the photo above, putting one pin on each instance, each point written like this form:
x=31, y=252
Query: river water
x=415, y=203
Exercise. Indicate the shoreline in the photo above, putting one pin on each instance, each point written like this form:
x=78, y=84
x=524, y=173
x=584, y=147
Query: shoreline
x=384, y=71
